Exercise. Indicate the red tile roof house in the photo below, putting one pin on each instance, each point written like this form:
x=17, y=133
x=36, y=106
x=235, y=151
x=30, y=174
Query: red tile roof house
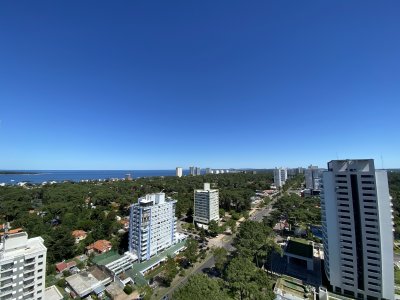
x=125, y=223
x=79, y=235
x=63, y=266
x=100, y=246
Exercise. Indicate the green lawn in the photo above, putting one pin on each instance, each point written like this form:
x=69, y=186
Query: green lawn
x=154, y=272
x=51, y=280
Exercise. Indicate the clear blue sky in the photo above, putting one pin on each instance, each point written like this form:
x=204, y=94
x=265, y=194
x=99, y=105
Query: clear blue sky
x=159, y=84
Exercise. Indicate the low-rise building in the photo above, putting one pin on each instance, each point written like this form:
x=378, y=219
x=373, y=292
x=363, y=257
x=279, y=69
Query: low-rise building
x=65, y=266
x=100, y=246
x=300, y=250
x=52, y=293
x=79, y=235
x=87, y=282
x=289, y=288
x=125, y=223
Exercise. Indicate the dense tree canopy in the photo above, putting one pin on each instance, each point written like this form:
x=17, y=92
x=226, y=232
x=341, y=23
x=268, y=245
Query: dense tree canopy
x=246, y=281
x=297, y=210
x=50, y=210
x=394, y=184
x=254, y=240
x=200, y=287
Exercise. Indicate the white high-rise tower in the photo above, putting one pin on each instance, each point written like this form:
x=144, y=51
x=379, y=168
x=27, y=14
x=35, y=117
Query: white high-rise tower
x=22, y=267
x=206, y=205
x=280, y=176
x=179, y=172
x=152, y=225
x=357, y=229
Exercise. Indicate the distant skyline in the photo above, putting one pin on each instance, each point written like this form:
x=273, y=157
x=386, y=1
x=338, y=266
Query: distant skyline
x=100, y=85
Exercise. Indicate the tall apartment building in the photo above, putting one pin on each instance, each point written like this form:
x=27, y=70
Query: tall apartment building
x=198, y=171
x=280, y=176
x=179, y=172
x=152, y=225
x=206, y=205
x=208, y=171
x=357, y=229
x=22, y=267
x=192, y=171
x=313, y=176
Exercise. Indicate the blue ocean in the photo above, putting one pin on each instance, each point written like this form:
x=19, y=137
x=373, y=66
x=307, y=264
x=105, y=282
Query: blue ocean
x=78, y=175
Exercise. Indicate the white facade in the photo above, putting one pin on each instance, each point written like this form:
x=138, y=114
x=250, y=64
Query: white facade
x=313, y=177
x=206, y=205
x=179, y=172
x=192, y=171
x=152, y=225
x=22, y=267
x=357, y=230
x=280, y=176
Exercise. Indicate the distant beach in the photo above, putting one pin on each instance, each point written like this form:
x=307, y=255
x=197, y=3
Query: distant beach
x=40, y=176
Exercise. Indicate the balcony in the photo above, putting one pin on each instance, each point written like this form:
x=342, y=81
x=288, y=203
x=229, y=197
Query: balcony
x=29, y=282
x=29, y=296
x=28, y=290
x=6, y=267
x=6, y=283
x=6, y=275
x=30, y=268
x=6, y=291
x=29, y=276
x=30, y=261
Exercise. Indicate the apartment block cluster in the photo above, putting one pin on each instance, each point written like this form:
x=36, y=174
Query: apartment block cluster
x=197, y=171
x=312, y=174
x=152, y=233
x=357, y=235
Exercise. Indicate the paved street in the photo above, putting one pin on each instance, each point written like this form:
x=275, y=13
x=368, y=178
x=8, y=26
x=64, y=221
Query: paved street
x=207, y=263
x=224, y=241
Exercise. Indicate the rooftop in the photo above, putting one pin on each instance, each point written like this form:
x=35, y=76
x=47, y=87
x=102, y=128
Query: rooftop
x=98, y=273
x=18, y=244
x=100, y=245
x=106, y=258
x=61, y=266
x=299, y=247
x=52, y=293
x=82, y=283
x=11, y=231
x=294, y=287
x=78, y=233
x=115, y=290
